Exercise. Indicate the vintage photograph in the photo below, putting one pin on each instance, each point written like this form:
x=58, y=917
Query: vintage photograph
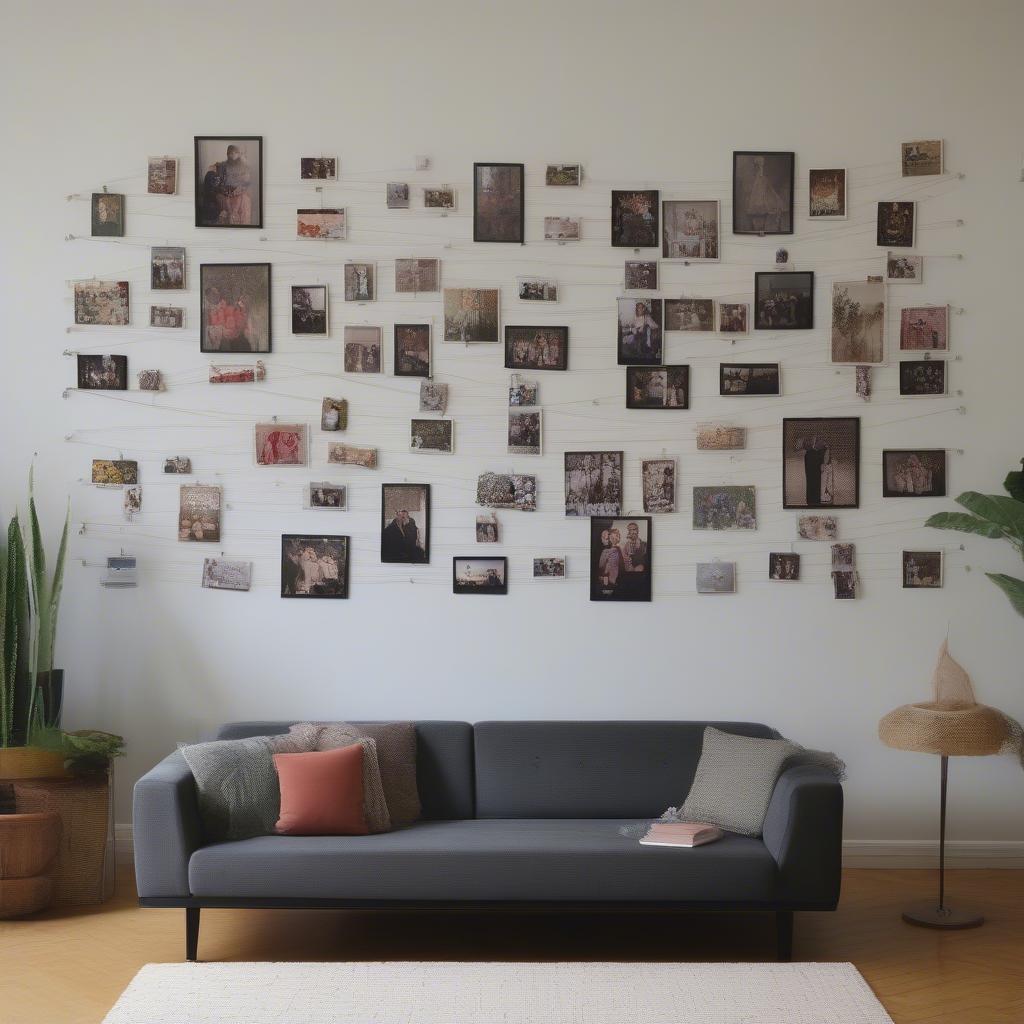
x=914, y=473
x=333, y=414
x=102, y=373
x=784, y=300
x=924, y=328
x=314, y=566
x=131, y=502
x=349, y=455
x=412, y=350
x=487, y=529
x=817, y=527
x=562, y=229
x=549, y=568
x=309, y=310
x=166, y=316
x=716, y=577
x=783, y=566
x=151, y=380
x=398, y=195
x=199, y=509
x=858, y=322
x=325, y=494
x=362, y=349
x=620, y=559
x=471, y=315
x=844, y=556
x=635, y=218
x=640, y=331
x=921, y=157
x=921, y=378
x=658, y=482
x=360, y=282
x=658, y=387
x=896, y=225
x=507, y=490
x=416, y=275
x=433, y=396
x=229, y=181
x=844, y=584
x=524, y=432
x=593, y=483
x=405, y=523
x=922, y=570
x=238, y=373
x=330, y=224
x=114, y=472
x=431, y=435
x=101, y=303
x=724, y=508
x=762, y=193
x=536, y=289
x=821, y=462
x=715, y=437
x=235, y=307
x=749, y=379
x=689, y=314
x=107, y=215
x=479, y=575
x=900, y=269
x=167, y=267
x=498, y=202
x=280, y=444
x=641, y=276
x=826, y=188
x=563, y=174
x=732, y=317
x=178, y=464
x=536, y=348
x=690, y=229
x=318, y=168
x=439, y=197
x=523, y=392
x=162, y=176
x=226, y=574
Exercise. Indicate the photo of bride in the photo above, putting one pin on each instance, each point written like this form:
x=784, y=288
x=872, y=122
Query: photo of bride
x=820, y=466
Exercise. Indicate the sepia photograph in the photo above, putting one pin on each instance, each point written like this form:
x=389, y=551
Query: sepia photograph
x=690, y=229
x=549, y=568
x=523, y=393
x=844, y=584
x=309, y=310
x=716, y=577
x=762, y=193
x=412, y=350
x=280, y=444
x=398, y=195
x=433, y=396
x=826, y=188
x=563, y=174
x=715, y=437
x=101, y=303
x=151, y=380
x=914, y=473
x=226, y=574
x=167, y=267
x=924, y=328
x=229, y=181
x=166, y=316
x=487, y=529
x=318, y=168
x=405, y=523
x=115, y=472
x=732, y=317
x=895, y=226
x=199, y=510
x=858, y=322
x=536, y=348
x=641, y=276
x=844, y=556
x=498, y=191
x=235, y=307
x=921, y=157
x=507, y=490
x=524, y=432
x=689, y=314
x=238, y=373
x=640, y=331
x=784, y=300
x=162, y=176
x=178, y=464
x=817, y=527
x=562, y=229
x=314, y=566
x=821, y=462
x=431, y=435
x=107, y=215
x=333, y=414
x=479, y=575
x=102, y=373
x=471, y=315
x=416, y=275
x=536, y=289
x=658, y=387
x=131, y=502
x=903, y=269
x=361, y=349
x=439, y=197
x=635, y=218
x=783, y=566
x=620, y=559
x=325, y=494
x=360, y=282
x=922, y=570
x=331, y=224
x=724, y=507
x=658, y=482
x=921, y=378
x=349, y=455
x=749, y=379
x=593, y=483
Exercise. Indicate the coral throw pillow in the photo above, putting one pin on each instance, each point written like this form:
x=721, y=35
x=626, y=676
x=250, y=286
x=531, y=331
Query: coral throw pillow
x=322, y=793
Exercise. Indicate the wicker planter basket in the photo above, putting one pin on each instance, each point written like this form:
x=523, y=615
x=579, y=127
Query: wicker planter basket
x=31, y=763
x=28, y=846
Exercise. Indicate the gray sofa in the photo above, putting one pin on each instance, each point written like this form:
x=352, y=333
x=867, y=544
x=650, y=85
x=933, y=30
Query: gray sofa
x=523, y=814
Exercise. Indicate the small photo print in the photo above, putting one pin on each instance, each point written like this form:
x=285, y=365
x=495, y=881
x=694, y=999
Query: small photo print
x=431, y=435
x=658, y=481
x=827, y=191
x=549, y=568
x=844, y=584
x=162, y=176
x=858, y=322
x=749, y=379
x=536, y=348
x=924, y=328
x=900, y=269
x=318, y=168
x=620, y=559
x=102, y=373
x=238, y=373
x=360, y=283
x=178, y=464
x=471, y=315
x=167, y=267
x=166, y=316
x=523, y=393
x=314, y=566
x=716, y=577
x=405, y=523
x=593, y=483
x=817, y=527
x=309, y=310
x=784, y=300
x=715, y=437
x=415, y=275
x=524, y=432
x=895, y=227
x=658, y=387
x=398, y=195
x=280, y=444
x=821, y=462
x=114, y=472
x=479, y=575
x=563, y=174
x=487, y=529
x=922, y=377
x=107, y=215
x=914, y=473
x=762, y=193
x=640, y=331
x=433, y=397
x=724, y=508
x=350, y=455
x=844, y=556
x=132, y=502
x=783, y=566
x=225, y=574
x=199, y=508
x=325, y=494
x=921, y=157
x=922, y=570
x=412, y=350
x=362, y=349
x=536, y=289
x=101, y=303
x=562, y=229
x=333, y=414
x=331, y=224
x=151, y=380
x=689, y=314
x=235, y=307
x=641, y=276
x=229, y=181
x=439, y=197
x=635, y=218
x=507, y=490
x=733, y=318
x=690, y=229
x=498, y=202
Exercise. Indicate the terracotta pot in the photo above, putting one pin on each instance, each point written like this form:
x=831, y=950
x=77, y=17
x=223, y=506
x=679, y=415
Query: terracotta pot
x=31, y=763
x=28, y=847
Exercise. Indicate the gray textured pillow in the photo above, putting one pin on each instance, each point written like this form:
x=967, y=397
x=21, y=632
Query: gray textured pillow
x=734, y=781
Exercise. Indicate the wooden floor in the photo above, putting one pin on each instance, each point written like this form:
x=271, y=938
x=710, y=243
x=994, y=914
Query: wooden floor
x=69, y=966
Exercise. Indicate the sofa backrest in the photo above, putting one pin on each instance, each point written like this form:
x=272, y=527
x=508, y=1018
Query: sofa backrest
x=588, y=769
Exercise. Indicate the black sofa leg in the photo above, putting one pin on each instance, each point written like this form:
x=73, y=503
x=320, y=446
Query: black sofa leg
x=784, y=934
x=191, y=933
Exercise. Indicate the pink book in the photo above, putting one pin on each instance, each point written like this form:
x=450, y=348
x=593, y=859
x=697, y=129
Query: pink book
x=684, y=834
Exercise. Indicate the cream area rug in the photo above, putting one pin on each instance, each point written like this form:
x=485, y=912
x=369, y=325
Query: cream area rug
x=497, y=993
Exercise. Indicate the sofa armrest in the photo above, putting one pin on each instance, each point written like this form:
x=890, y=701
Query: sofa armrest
x=166, y=828
x=803, y=830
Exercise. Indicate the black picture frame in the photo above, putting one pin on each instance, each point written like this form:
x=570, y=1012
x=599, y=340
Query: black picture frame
x=744, y=218
x=114, y=369
x=398, y=549
x=291, y=571
x=798, y=317
x=500, y=587
x=835, y=443
x=676, y=373
x=403, y=365
x=520, y=333
x=616, y=574
x=935, y=464
x=895, y=224
x=207, y=214
x=512, y=220
x=107, y=215
x=208, y=271
x=731, y=390
x=629, y=229
x=307, y=321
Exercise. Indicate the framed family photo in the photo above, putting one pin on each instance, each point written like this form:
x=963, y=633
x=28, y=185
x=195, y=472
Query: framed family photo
x=821, y=462
x=762, y=193
x=102, y=373
x=234, y=307
x=914, y=473
x=620, y=559
x=922, y=378
x=593, y=483
x=784, y=300
x=167, y=267
x=641, y=336
x=690, y=230
x=536, y=348
x=826, y=189
x=689, y=314
x=635, y=218
x=309, y=310
x=229, y=181
x=658, y=387
x=314, y=565
x=405, y=523
x=498, y=206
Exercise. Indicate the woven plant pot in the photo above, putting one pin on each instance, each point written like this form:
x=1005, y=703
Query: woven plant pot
x=28, y=846
x=31, y=763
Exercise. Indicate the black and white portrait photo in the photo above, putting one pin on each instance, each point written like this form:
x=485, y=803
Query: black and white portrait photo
x=593, y=483
x=229, y=181
x=914, y=473
x=784, y=300
x=314, y=566
x=405, y=523
x=640, y=331
x=762, y=193
x=620, y=559
x=821, y=462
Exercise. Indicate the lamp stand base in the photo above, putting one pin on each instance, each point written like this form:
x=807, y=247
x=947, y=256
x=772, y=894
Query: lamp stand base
x=927, y=914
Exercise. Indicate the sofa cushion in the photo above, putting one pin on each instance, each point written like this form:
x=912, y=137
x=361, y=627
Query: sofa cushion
x=485, y=860
x=322, y=792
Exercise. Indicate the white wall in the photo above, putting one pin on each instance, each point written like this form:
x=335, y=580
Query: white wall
x=653, y=94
